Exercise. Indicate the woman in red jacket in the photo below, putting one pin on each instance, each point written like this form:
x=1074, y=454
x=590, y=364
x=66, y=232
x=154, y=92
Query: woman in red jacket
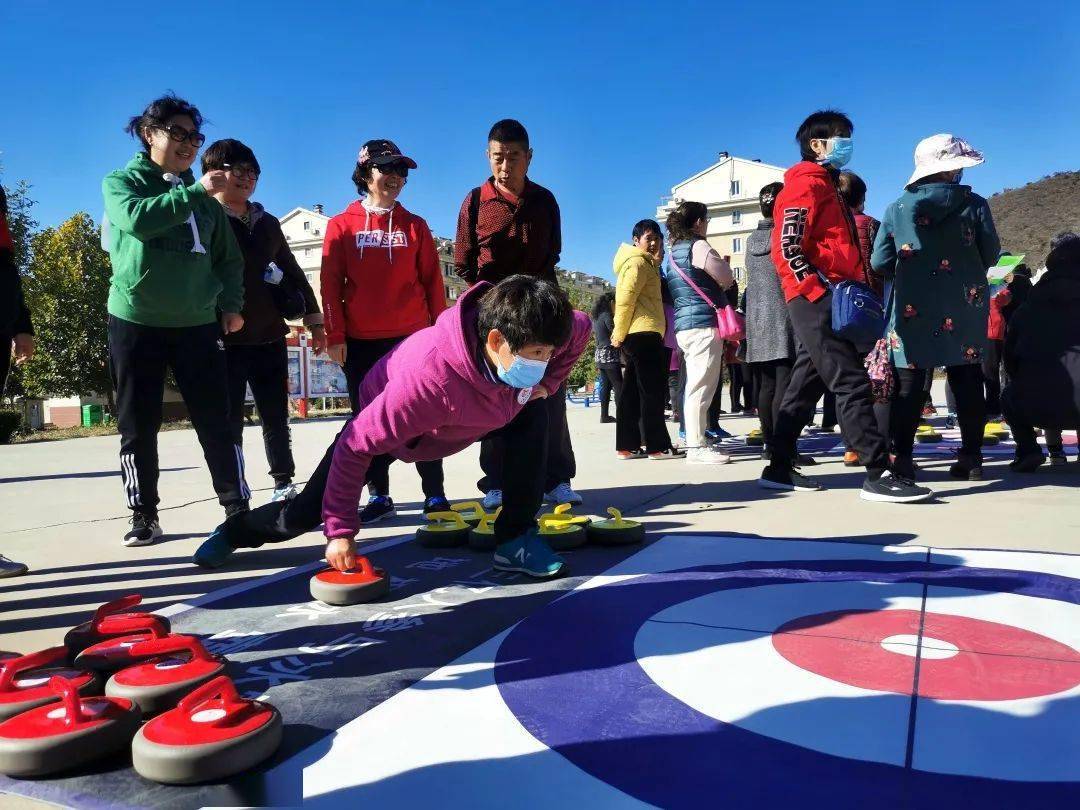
x=380, y=283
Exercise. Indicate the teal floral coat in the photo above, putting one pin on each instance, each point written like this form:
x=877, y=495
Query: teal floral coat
x=934, y=247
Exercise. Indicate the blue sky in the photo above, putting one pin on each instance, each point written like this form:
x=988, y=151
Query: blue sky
x=622, y=100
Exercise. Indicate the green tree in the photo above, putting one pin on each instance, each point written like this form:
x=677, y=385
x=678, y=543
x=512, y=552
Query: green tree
x=584, y=370
x=66, y=289
x=22, y=225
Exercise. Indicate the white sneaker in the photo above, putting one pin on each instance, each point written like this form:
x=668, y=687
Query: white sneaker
x=493, y=500
x=707, y=455
x=10, y=568
x=563, y=494
x=285, y=493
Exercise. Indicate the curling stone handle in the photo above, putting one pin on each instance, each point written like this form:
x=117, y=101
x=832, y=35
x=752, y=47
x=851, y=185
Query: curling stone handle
x=554, y=521
x=616, y=515
x=468, y=506
x=13, y=666
x=488, y=521
x=116, y=606
x=365, y=566
x=69, y=696
x=448, y=517
x=169, y=644
x=562, y=509
x=220, y=688
x=122, y=624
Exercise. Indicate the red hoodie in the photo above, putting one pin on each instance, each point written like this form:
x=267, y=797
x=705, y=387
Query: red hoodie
x=380, y=275
x=814, y=234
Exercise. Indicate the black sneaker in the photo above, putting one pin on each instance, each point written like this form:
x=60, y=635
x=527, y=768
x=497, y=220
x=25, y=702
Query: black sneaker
x=145, y=529
x=892, y=488
x=804, y=461
x=378, y=507
x=1058, y=458
x=966, y=469
x=237, y=508
x=1029, y=462
x=436, y=503
x=787, y=480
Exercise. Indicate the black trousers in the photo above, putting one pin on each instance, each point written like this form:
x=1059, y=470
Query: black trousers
x=523, y=491
x=828, y=411
x=991, y=371
x=773, y=377
x=559, y=463
x=139, y=357
x=905, y=411
x=739, y=388
x=826, y=362
x=360, y=357
x=5, y=359
x=265, y=367
x=611, y=377
x=641, y=406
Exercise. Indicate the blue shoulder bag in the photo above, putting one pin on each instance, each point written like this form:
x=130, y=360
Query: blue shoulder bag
x=858, y=315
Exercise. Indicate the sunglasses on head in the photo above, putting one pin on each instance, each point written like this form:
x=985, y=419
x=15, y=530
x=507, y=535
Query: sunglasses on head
x=179, y=134
x=398, y=167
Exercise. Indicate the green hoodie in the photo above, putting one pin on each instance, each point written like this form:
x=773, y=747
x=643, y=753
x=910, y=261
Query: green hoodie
x=157, y=277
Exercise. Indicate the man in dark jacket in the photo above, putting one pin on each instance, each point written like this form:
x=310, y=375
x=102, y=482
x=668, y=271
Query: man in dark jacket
x=256, y=355
x=1042, y=354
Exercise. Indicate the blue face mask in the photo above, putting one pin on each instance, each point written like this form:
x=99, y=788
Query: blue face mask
x=839, y=153
x=523, y=372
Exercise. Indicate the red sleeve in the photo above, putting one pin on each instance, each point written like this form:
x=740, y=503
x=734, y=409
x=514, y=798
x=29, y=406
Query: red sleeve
x=430, y=273
x=797, y=208
x=332, y=281
x=466, y=251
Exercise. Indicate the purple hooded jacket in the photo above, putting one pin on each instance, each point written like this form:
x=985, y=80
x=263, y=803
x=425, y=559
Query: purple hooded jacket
x=427, y=400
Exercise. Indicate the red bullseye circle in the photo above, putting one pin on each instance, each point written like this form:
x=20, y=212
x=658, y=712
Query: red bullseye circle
x=962, y=658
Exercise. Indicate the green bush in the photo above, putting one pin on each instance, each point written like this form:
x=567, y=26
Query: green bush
x=10, y=422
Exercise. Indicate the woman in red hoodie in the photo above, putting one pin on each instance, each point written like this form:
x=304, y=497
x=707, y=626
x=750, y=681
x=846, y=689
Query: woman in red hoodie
x=380, y=283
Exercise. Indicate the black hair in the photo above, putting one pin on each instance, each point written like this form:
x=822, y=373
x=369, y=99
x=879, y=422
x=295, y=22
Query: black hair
x=680, y=222
x=228, y=152
x=603, y=304
x=852, y=189
x=644, y=226
x=821, y=125
x=526, y=310
x=767, y=198
x=1022, y=270
x=158, y=112
x=361, y=176
x=508, y=131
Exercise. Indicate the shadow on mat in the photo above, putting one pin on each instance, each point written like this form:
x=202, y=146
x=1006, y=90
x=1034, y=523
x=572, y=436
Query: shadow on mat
x=95, y=474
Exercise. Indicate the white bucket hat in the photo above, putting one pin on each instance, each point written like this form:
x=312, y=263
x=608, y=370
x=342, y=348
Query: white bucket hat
x=943, y=153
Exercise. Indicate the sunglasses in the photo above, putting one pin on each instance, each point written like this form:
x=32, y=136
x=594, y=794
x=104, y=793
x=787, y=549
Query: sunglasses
x=398, y=167
x=179, y=134
x=242, y=172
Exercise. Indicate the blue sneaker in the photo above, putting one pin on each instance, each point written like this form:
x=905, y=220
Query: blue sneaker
x=682, y=435
x=436, y=503
x=528, y=554
x=717, y=434
x=563, y=493
x=378, y=507
x=216, y=551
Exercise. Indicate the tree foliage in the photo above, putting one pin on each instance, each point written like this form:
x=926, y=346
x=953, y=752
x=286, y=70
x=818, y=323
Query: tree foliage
x=66, y=289
x=20, y=222
x=584, y=370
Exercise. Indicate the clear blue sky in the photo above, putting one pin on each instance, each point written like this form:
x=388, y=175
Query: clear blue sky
x=622, y=100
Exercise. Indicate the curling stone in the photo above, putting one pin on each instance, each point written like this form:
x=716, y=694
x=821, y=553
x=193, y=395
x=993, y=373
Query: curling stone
x=990, y=438
x=212, y=734
x=996, y=429
x=561, y=533
x=926, y=434
x=180, y=664
x=446, y=530
x=122, y=633
x=755, y=438
x=87, y=633
x=24, y=680
x=65, y=735
x=364, y=583
x=616, y=531
x=472, y=512
x=563, y=512
x=482, y=538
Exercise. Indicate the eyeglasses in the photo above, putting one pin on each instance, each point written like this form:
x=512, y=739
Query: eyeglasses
x=242, y=172
x=179, y=134
x=398, y=167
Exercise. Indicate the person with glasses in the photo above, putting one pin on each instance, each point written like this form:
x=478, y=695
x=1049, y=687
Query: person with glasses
x=177, y=287
x=381, y=282
x=275, y=288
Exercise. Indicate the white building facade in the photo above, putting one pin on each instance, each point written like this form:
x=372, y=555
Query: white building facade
x=729, y=188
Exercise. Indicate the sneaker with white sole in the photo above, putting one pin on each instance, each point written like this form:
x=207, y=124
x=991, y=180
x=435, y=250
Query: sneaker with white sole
x=10, y=568
x=286, y=492
x=664, y=455
x=893, y=488
x=707, y=455
x=629, y=455
x=563, y=493
x=492, y=500
x=144, y=530
x=787, y=480
x=528, y=554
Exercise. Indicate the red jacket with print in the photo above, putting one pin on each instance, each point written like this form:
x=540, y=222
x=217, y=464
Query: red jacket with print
x=380, y=275
x=814, y=235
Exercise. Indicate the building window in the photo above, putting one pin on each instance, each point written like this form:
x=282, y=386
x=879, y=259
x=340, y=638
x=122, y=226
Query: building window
x=310, y=277
x=736, y=245
x=307, y=251
x=735, y=188
x=736, y=217
x=307, y=224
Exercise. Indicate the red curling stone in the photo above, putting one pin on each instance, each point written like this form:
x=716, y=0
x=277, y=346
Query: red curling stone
x=24, y=680
x=124, y=632
x=79, y=638
x=212, y=734
x=365, y=583
x=65, y=735
x=180, y=665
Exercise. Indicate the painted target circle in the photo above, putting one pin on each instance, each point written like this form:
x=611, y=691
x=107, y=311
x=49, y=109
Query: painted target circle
x=570, y=675
x=962, y=658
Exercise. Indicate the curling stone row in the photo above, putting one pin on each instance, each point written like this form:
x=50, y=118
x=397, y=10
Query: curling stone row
x=170, y=668
x=364, y=583
x=24, y=680
x=79, y=638
x=123, y=633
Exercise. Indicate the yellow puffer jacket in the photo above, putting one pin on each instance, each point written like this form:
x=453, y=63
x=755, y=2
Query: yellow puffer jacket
x=638, y=305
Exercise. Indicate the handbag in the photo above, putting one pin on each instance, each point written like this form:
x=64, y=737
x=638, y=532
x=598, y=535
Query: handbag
x=858, y=314
x=729, y=323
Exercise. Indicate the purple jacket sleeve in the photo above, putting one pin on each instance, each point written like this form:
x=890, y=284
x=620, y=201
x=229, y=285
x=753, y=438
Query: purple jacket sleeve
x=565, y=356
x=403, y=411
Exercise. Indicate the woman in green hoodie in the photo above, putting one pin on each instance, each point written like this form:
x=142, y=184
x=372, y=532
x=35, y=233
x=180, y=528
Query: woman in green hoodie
x=934, y=247
x=176, y=286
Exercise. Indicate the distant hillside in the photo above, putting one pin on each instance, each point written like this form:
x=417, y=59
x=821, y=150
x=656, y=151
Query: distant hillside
x=1028, y=217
